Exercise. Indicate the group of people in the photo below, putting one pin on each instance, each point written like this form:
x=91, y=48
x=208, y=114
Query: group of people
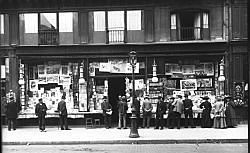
x=222, y=110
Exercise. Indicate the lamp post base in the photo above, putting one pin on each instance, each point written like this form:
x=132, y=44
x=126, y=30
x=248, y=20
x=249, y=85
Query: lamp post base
x=133, y=129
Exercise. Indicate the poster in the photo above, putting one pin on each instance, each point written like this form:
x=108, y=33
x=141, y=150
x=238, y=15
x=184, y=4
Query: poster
x=104, y=67
x=209, y=69
x=65, y=80
x=204, y=82
x=168, y=70
x=53, y=79
x=53, y=69
x=33, y=85
x=42, y=80
x=64, y=70
x=41, y=70
x=190, y=84
x=188, y=69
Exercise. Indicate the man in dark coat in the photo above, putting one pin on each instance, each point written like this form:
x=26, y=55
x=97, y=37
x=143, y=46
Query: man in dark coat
x=171, y=114
x=207, y=107
x=11, y=113
x=40, y=112
x=230, y=112
x=107, y=112
x=122, y=110
x=160, y=111
x=63, y=113
x=188, y=112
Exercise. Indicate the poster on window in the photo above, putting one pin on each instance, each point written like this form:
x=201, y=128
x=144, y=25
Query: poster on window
x=190, y=84
x=204, y=82
x=129, y=68
x=104, y=67
x=188, y=69
x=117, y=66
x=41, y=70
x=53, y=79
x=53, y=69
x=209, y=69
x=42, y=80
x=168, y=70
x=33, y=85
x=64, y=70
x=65, y=80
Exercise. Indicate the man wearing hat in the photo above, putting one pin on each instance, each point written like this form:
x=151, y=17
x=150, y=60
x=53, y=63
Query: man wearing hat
x=107, y=112
x=188, y=112
x=171, y=115
x=62, y=109
x=207, y=107
x=122, y=112
x=147, y=111
x=230, y=112
x=11, y=113
x=40, y=111
x=160, y=111
x=178, y=110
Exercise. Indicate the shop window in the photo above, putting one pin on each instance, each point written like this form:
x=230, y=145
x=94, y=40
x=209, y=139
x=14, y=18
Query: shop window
x=189, y=25
x=68, y=28
x=97, y=26
x=28, y=28
x=48, y=31
x=4, y=29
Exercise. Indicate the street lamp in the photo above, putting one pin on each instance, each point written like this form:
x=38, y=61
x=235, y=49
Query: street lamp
x=133, y=129
x=154, y=79
x=222, y=78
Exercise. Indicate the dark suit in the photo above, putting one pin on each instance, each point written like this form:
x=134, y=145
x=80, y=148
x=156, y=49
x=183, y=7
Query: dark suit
x=137, y=106
x=63, y=114
x=40, y=111
x=107, y=118
x=160, y=111
x=11, y=113
x=188, y=112
x=206, y=119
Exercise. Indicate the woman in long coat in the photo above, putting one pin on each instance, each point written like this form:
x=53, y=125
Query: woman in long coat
x=219, y=114
x=207, y=107
x=230, y=113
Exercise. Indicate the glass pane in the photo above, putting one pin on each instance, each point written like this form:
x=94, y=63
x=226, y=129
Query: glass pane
x=28, y=28
x=134, y=20
x=66, y=22
x=99, y=21
x=48, y=34
x=116, y=20
x=1, y=24
x=4, y=32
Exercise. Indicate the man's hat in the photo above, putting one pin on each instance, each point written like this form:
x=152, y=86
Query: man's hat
x=171, y=98
x=205, y=98
x=179, y=96
x=186, y=95
x=146, y=97
x=40, y=99
x=159, y=97
x=228, y=97
x=63, y=97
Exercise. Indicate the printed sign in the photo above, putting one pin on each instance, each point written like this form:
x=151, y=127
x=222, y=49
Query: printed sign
x=190, y=84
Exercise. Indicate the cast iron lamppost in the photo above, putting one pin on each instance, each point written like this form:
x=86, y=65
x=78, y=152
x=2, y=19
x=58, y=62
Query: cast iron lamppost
x=133, y=129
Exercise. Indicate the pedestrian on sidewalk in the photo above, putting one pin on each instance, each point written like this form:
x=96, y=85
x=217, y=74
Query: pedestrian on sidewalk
x=160, y=111
x=122, y=112
x=107, y=112
x=40, y=112
x=147, y=111
x=178, y=110
x=230, y=112
x=188, y=112
x=63, y=114
x=219, y=114
x=171, y=115
x=206, y=118
x=11, y=113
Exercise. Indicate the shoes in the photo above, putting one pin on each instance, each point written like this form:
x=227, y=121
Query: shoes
x=62, y=128
x=119, y=128
x=171, y=128
x=125, y=128
x=43, y=131
x=148, y=127
x=68, y=129
x=161, y=128
x=142, y=127
x=178, y=128
x=156, y=127
x=185, y=127
x=193, y=127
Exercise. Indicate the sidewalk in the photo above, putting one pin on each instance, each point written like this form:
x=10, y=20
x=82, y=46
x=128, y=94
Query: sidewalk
x=81, y=135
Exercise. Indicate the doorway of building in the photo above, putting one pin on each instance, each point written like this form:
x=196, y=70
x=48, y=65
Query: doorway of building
x=116, y=87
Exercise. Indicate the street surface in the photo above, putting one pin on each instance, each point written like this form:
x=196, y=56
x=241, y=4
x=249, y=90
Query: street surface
x=129, y=148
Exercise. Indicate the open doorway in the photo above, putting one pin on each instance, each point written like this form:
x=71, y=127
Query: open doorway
x=116, y=87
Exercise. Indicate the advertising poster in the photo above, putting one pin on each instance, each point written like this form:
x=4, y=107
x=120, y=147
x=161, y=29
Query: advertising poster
x=33, y=85
x=190, y=84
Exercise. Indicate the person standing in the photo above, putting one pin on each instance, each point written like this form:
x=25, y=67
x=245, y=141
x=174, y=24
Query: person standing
x=188, y=112
x=160, y=111
x=147, y=112
x=230, y=112
x=40, y=111
x=219, y=114
x=170, y=119
x=107, y=112
x=62, y=109
x=206, y=118
x=178, y=110
x=122, y=112
x=11, y=113
x=136, y=105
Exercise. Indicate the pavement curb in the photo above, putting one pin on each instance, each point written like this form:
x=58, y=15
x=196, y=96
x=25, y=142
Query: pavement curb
x=193, y=141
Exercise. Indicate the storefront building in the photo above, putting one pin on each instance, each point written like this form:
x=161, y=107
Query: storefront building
x=81, y=50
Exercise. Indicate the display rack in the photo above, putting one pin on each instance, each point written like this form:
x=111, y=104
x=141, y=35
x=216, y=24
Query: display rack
x=155, y=90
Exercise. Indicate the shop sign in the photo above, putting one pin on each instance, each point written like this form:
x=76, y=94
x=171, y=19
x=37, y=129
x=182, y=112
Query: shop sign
x=200, y=73
x=238, y=90
x=190, y=84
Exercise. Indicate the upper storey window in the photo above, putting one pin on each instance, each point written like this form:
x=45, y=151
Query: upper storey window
x=189, y=25
x=4, y=32
x=116, y=26
x=48, y=28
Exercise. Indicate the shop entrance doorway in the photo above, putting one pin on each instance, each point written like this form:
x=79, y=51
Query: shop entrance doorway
x=116, y=87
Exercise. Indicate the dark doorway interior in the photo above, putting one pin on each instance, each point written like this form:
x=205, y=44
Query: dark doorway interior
x=116, y=87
